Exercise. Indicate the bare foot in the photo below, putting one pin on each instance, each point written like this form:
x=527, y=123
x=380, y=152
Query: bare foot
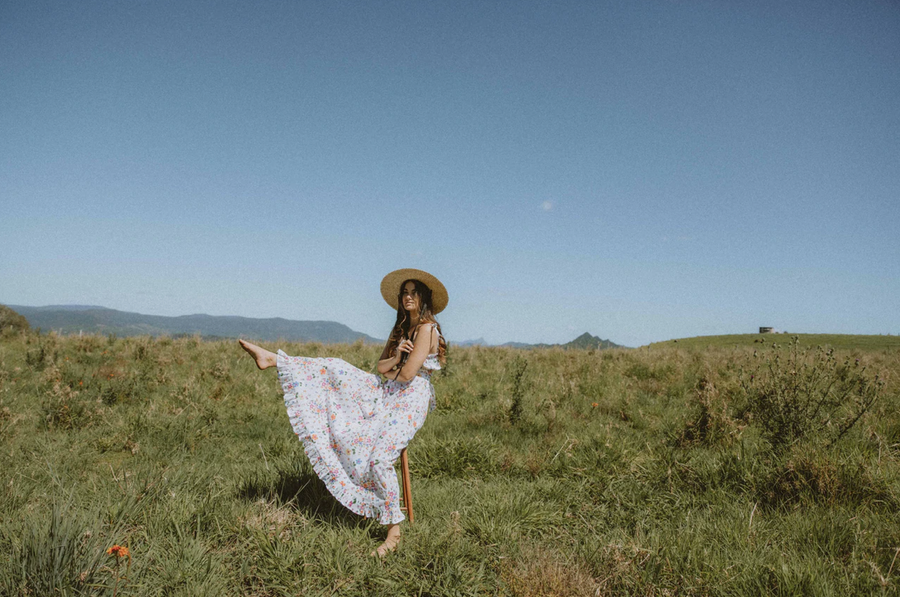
x=390, y=544
x=264, y=359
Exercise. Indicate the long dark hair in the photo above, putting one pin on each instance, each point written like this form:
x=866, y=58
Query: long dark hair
x=401, y=326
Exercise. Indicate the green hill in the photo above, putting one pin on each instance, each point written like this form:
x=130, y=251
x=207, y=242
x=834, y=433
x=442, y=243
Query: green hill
x=837, y=341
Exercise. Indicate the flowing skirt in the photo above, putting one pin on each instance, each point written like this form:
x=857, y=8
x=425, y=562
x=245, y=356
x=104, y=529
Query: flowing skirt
x=353, y=427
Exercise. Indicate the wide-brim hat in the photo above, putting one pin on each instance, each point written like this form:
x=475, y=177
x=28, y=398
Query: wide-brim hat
x=390, y=287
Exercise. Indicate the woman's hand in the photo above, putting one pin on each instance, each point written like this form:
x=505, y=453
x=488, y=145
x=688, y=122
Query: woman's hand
x=405, y=346
x=415, y=354
x=390, y=361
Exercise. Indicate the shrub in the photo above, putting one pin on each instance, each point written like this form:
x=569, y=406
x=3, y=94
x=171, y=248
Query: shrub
x=815, y=478
x=12, y=322
x=518, y=390
x=118, y=390
x=61, y=407
x=807, y=394
x=43, y=354
x=712, y=423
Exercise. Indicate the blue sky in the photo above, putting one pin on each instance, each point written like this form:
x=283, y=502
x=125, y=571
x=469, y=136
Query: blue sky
x=638, y=170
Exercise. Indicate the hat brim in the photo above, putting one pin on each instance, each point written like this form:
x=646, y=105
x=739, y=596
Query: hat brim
x=390, y=287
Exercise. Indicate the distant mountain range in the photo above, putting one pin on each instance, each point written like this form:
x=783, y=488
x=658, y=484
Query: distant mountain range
x=73, y=319
x=478, y=342
x=585, y=340
x=91, y=319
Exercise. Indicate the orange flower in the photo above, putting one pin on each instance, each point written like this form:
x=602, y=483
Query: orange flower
x=118, y=551
x=594, y=404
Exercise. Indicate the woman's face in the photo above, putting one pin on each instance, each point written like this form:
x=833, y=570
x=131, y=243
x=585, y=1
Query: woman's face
x=409, y=298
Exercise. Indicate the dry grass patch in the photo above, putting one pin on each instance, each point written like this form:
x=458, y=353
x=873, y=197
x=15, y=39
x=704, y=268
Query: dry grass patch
x=543, y=572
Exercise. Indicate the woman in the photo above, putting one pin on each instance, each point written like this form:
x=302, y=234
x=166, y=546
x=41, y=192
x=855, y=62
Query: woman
x=352, y=424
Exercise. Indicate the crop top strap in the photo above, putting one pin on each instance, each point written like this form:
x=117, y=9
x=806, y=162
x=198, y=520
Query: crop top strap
x=433, y=330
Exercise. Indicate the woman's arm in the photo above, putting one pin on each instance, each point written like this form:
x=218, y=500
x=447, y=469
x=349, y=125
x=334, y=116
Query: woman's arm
x=388, y=361
x=420, y=352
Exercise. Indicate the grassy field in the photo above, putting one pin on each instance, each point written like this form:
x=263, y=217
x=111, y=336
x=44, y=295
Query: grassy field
x=836, y=341
x=756, y=470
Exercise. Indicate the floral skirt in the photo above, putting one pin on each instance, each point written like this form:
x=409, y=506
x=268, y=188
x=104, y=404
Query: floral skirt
x=353, y=426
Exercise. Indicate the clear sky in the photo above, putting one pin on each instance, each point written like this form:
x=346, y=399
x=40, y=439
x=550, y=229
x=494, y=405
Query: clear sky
x=642, y=170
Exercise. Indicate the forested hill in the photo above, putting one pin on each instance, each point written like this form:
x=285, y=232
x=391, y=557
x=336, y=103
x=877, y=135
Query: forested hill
x=73, y=319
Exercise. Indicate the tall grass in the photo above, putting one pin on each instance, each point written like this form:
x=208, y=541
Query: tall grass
x=545, y=472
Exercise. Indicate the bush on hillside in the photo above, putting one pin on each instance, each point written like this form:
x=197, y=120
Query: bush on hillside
x=807, y=395
x=11, y=322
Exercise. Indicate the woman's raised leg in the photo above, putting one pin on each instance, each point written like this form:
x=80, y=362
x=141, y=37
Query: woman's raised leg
x=264, y=359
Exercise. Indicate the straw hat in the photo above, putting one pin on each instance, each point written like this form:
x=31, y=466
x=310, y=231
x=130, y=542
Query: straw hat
x=390, y=287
